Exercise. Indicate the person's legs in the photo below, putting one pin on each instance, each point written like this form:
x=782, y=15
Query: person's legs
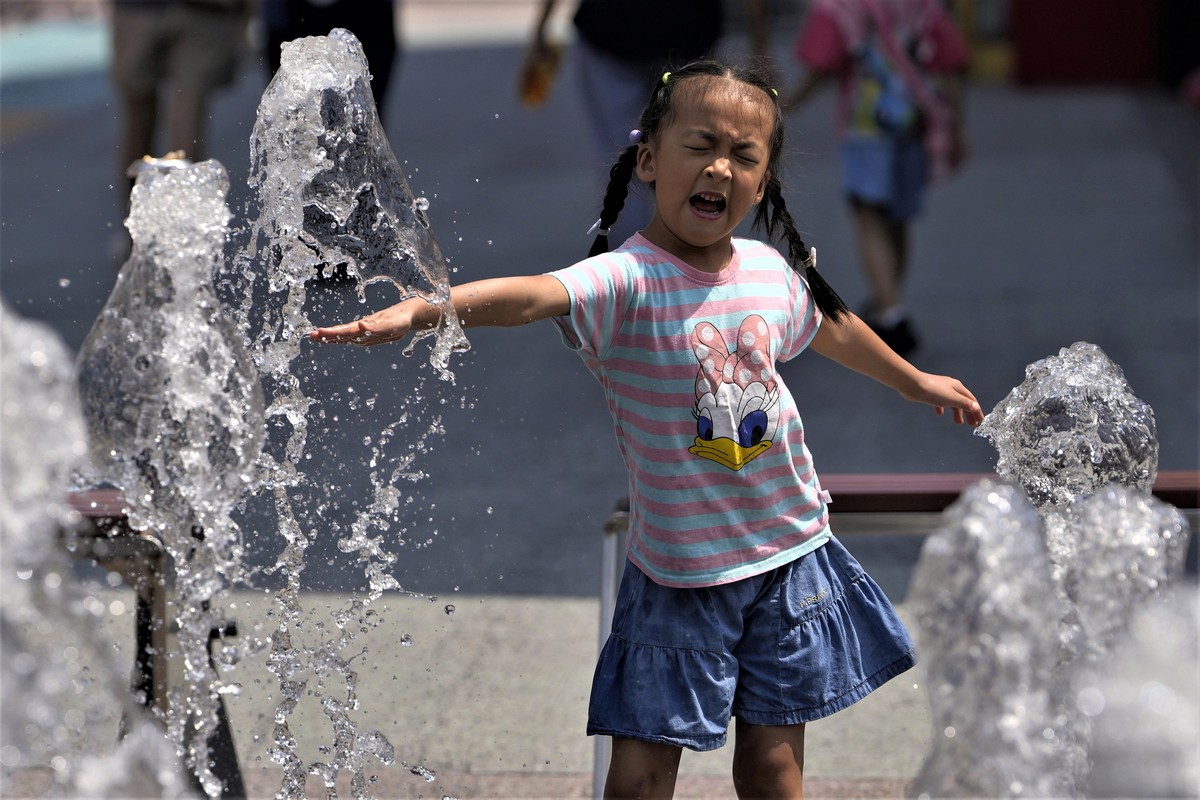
x=884, y=181
x=877, y=248
x=768, y=761
x=203, y=48
x=883, y=250
x=138, y=114
x=641, y=769
x=899, y=234
x=136, y=69
x=185, y=122
x=373, y=22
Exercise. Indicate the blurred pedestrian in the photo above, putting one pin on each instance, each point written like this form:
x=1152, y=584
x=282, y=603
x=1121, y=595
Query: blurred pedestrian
x=174, y=53
x=899, y=65
x=373, y=23
x=621, y=47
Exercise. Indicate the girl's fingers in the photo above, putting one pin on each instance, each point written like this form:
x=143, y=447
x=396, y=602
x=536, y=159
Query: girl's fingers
x=347, y=333
x=962, y=404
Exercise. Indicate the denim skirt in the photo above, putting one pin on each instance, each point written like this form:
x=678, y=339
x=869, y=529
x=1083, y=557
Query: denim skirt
x=785, y=647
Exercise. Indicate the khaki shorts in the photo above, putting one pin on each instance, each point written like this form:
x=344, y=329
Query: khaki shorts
x=192, y=46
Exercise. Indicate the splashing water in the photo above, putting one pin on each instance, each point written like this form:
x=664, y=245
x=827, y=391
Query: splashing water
x=1033, y=583
x=175, y=418
x=332, y=195
x=1072, y=427
x=332, y=207
x=59, y=673
x=1146, y=706
x=981, y=588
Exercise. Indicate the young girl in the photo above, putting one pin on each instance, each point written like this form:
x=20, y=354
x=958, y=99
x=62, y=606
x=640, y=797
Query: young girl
x=736, y=599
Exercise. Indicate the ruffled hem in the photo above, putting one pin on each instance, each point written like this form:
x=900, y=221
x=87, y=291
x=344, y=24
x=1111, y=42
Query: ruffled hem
x=805, y=715
x=702, y=745
x=642, y=681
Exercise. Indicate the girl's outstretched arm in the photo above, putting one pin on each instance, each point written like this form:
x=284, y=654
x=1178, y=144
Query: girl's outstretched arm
x=855, y=346
x=495, y=302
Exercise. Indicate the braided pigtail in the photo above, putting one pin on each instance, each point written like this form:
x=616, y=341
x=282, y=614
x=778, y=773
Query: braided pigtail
x=614, y=198
x=773, y=214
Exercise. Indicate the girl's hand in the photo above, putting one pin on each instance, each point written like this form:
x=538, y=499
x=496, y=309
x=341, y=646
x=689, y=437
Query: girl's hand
x=390, y=325
x=942, y=392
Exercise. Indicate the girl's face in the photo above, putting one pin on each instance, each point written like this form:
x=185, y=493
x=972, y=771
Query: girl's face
x=709, y=168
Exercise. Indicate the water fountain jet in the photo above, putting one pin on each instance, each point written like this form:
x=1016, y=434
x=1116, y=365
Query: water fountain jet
x=63, y=685
x=1032, y=583
x=175, y=419
x=330, y=201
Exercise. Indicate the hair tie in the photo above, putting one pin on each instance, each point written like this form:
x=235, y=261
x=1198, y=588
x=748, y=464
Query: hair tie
x=664, y=77
x=811, y=261
x=597, y=229
x=635, y=136
x=775, y=92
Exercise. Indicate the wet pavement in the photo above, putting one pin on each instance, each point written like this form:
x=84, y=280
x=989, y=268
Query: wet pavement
x=1075, y=220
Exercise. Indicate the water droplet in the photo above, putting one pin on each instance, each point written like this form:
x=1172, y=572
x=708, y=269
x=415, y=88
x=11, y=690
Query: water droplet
x=423, y=772
x=64, y=282
x=421, y=203
x=449, y=609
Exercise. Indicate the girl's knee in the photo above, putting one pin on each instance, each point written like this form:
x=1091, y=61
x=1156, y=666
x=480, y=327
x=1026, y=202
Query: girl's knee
x=641, y=770
x=768, y=761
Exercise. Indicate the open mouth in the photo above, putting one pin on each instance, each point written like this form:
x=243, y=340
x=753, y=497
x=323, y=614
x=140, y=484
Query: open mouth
x=708, y=205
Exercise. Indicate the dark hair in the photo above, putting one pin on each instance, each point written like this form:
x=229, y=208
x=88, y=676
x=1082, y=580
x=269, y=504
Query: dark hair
x=771, y=216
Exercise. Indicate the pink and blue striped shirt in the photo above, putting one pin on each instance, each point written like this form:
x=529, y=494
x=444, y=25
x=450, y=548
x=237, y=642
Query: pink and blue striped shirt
x=721, y=483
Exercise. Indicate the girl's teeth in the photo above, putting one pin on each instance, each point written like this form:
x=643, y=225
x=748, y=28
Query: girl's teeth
x=707, y=204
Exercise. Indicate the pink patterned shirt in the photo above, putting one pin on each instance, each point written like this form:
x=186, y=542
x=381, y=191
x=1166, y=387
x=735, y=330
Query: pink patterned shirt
x=721, y=483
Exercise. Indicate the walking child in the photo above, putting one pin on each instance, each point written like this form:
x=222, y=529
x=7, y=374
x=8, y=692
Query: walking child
x=899, y=66
x=736, y=599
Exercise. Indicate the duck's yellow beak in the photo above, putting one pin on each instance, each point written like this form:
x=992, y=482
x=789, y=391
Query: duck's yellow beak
x=727, y=452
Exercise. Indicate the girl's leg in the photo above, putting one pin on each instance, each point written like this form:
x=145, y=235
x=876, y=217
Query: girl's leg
x=643, y=770
x=768, y=761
